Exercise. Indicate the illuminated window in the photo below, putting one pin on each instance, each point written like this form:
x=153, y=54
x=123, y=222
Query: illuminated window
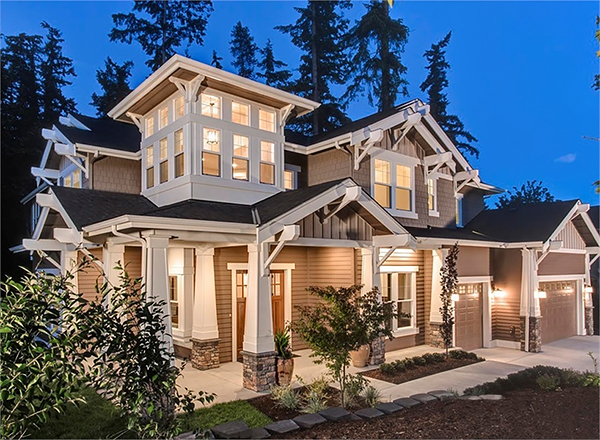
x=399, y=289
x=179, y=107
x=150, y=167
x=211, y=106
x=211, y=156
x=240, y=113
x=383, y=183
x=164, y=161
x=266, y=120
x=267, y=162
x=431, y=199
x=459, y=214
x=73, y=180
x=163, y=117
x=289, y=179
x=178, y=151
x=149, y=126
x=240, y=157
x=403, y=188
x=174, y=301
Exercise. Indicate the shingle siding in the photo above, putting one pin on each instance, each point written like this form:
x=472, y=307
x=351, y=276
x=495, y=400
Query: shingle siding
x=117, y=175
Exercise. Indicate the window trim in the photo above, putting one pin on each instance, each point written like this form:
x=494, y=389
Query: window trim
x=248, y=106
x=220, y=100
x=149, y=167
x=240, y=157
x=411, y=271
x=261, y=162
x=435, y=211
x=459, y=210
x=272, y=112
x=162, y=161
x=218, y=153
x=176, y=154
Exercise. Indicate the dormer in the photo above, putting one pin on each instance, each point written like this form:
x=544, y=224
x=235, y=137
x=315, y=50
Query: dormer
x=208, y=134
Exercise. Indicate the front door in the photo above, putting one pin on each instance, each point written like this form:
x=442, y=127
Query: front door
x=277, y=305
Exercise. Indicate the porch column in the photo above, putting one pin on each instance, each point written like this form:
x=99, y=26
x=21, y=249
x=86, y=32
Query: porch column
x=531, y=326
x=112, y=255
x=181, y=266
x=435, y=316
x=259, y=347
x=370, y=278
x=68, y=261
x=157, y=281
x=205, y=331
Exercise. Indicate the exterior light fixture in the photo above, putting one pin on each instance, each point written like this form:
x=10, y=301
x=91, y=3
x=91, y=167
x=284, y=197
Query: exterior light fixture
x=454, y=297
x=212, y=137
x=498, y=293
x=588, y=289
x=541, y=294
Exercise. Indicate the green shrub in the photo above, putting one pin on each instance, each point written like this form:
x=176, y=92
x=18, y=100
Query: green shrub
x=408, y=363
x=286, y=396
x=592, y=377
x=548, y=382
x=461, y=354
x=282, y=344
x=314, y=398
x=419, y=361
x=371, y=395
x=355, y=386
x=439, y=357
x=387, y=369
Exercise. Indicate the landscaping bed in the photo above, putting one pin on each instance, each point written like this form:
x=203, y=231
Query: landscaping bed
x=420, y=366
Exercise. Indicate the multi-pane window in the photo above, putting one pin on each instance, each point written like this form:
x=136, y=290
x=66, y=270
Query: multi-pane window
x=174, y=301
x=150, y=167
x=211, y=154
x=289, y=179
x=267, y=162
x=178, y=151
x=240, y=157
x=149, y=126
x=241, y=283
x=163, y=117
x=164, y=161
x=398, y=288
x=240, y=113
x=431, y=194
x=211, y=106
x=459, y=216
x=383, y=183
x=179, y=107
x=403, y=188
x=266, y=120
x=73, y=180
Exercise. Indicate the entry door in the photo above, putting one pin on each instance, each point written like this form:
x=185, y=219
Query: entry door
x=277, y=305
x=469, y=316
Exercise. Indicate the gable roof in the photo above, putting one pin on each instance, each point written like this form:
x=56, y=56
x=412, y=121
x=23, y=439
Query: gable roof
x=104, y=133
x=594, y=214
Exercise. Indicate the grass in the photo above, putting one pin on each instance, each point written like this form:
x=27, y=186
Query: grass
x=205, y=418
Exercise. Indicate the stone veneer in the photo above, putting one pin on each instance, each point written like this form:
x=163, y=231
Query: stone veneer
x=260, y=370
x=377, y=356
x=435, y=335
x=589, y=321
x=535, y=334
x=205, y=353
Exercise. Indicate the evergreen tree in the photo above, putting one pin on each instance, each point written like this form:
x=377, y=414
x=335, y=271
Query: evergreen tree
x=162, y=27
x=272, y=69
x=243, y=49
x=434, y=85
x=596, y=83
x=320, y=33
x=530, y=192
x=378, y=71
x=216, y=60
x=114, y=82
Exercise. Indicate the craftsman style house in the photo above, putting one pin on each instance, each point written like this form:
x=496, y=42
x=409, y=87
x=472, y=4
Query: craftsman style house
x=197, y=187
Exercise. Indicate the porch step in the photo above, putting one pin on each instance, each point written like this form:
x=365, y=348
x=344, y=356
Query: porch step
x=234, y=429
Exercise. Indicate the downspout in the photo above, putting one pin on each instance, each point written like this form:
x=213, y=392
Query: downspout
x=139, y=240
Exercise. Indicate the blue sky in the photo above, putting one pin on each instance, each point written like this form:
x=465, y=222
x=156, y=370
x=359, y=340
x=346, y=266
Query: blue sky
x=520, y=80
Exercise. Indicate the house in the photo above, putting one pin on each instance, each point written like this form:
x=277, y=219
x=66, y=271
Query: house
x=194, y=184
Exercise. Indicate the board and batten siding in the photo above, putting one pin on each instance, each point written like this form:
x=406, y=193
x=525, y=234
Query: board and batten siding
x=345, y=225
x=88, y=277
x=570, y=237
x=506, y=267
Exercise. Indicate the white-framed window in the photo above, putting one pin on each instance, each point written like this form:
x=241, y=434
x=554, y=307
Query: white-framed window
x=404, y=187
x=266, y=120
x=163, y=156
x=240, y=113
x=399, y=288
x=459, y=211
x=179, y=107
x=240, y=162
x=211, y=154
x=383, y=183
x=150, y=166
x=73, y=179
x=174, y=299
x=163, y=117
x=211, y=106
x=150, y=128
x=432, y=196
x=178, y=152
x=290, y=176
x=393, y=182
x=267, y=162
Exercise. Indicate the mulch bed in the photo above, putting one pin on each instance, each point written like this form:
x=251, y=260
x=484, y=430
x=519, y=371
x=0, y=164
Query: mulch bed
x=268, y=406
x=419, y=371
x=571, y=413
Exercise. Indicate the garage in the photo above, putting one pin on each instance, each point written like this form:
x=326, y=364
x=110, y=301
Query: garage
x=559, y=310
x=468, y=312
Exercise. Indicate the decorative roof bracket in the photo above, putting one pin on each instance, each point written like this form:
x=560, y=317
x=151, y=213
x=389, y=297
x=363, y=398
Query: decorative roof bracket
x=437, y=162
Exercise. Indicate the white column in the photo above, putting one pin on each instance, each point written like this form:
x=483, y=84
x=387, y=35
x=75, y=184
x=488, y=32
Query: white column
x=68, y=261
x=157, y=281
x=112, y=255
x=439, y=255
x=186, y=302
x=369, y=273
x=258, y=333
x=205, y=297
x=530, y=304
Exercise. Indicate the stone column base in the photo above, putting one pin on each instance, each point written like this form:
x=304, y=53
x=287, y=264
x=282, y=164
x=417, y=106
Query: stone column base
x=435, y=335
x=589, y=321
x=260, y=370
x=205, y=353
x=377, y=356
x=535, y=334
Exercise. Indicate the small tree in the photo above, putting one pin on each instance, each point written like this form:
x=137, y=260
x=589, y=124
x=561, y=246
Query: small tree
x=344, y=322
x=449, y=276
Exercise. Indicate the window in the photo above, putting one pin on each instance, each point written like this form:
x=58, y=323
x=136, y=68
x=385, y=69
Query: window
x=150, y=166
x=149, y=126
x=211, y=106
x=179, y=107
x=266, y=120
x=459, y=209
x=240, y=157
x=267, y=162
x=174, y=301
x=163, y=117
x=289, y=179
x=240, y=113
x=399, y=288
x=178, y=151
x=73, y=180
x=431, y=196
x=383, y=185
x=403, y=188
x=164, y=161
x=241, y=283
x=211, y=156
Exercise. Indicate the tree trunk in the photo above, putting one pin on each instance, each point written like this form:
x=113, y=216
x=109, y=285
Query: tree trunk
x=316, y=93
x=385, y=102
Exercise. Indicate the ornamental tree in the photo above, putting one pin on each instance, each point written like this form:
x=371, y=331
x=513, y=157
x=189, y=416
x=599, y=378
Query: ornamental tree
x=449, y=283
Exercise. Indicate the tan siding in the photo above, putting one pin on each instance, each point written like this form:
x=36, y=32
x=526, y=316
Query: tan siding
x=90, y=276
x=133, y=261
x=346, y=225
x=570, y=237
x=116, y=174
x=327, y=166
x=473, y=261
x=561, y=263
x=506, y=266
x=427, y=280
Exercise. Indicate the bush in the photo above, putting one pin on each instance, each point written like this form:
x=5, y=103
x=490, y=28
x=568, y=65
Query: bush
x=355, y=386
x=548, y=382
x=401, y=365
x=286, y=396
x=419, y=361
x=371, y=395
x=315, y=395
x=461, y=354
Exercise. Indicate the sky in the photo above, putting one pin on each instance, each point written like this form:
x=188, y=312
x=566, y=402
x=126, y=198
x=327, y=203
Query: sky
x=520, y=78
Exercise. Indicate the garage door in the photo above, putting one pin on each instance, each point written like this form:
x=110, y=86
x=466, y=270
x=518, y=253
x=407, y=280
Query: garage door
x=469, y=316
x=559, y=310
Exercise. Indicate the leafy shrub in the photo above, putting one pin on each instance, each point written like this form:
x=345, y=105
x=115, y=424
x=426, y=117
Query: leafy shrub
x=461, y=355
x=314, y=398
x=592, y=377
x=286, y=396
x=419, y=361
x=387, y=369
x=548, y=382
x=371, y=395
x=282, y=344
x=355, y=386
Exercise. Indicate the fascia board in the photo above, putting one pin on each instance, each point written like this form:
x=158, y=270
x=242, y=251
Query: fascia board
x=85, y=148
x=447, y=142
x=570, y=216
x=588, y=222
x=475, y=243
x=57, y=206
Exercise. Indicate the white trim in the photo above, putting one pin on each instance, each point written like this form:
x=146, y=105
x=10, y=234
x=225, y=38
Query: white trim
x=85, y=148
x=486, y=281
x=428, y=242
x=406, y=331
x=330, y=242
x=399, y=269
x=515, y=345
x=550, y=278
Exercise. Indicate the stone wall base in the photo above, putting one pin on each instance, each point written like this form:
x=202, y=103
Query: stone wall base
x=535, y=334
x=589, y=321
x=435, y=335
x=260, y=370
x=205, y=353
x=377, y=356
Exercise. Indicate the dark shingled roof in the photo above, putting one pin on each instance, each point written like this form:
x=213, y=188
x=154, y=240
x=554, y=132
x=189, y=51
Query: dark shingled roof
x=104, y=132
x=449, y=233
x=205, y=210
x=594, y=214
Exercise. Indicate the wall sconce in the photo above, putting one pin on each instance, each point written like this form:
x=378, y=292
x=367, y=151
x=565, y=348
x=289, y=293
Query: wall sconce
x=498, y=293
x=212, y=137
x=588, y=289
x=540, y=294
x=454, y=297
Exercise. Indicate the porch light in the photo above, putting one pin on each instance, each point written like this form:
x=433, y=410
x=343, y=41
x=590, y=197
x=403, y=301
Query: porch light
x=540, y=294
x=588, y=289
x=498, y=293
x=454, y=297
x=212, y=137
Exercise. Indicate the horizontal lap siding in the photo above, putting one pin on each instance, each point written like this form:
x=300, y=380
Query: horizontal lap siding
x=133, y=261
x=91, y=275
x=427, y=280
x=506, y=265
x=561, y=263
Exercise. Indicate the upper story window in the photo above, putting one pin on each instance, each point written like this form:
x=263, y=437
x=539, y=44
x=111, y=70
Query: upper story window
x=240, y=113
x=211, y=154
x=163, y=117
x=179, y=107
x=150, y=166
x=73, y=180
x=179, y=154
x=267, y=162
x=240, y=157
x=266, y=120
x=432, y=196
x=459, y=211
x=383, y=183
x=164, y=161
x=289, y=181
x=150, y=126
x=393, y=183
x=403, y=188
x=211, y=106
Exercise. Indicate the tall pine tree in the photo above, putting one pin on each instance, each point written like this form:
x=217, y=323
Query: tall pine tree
x=243, y=50
x=320, y=33
x=216, y=60
x=114, y=82
x=378, y=72
x=272, y=70
x=435, y=84
x=162, y=27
